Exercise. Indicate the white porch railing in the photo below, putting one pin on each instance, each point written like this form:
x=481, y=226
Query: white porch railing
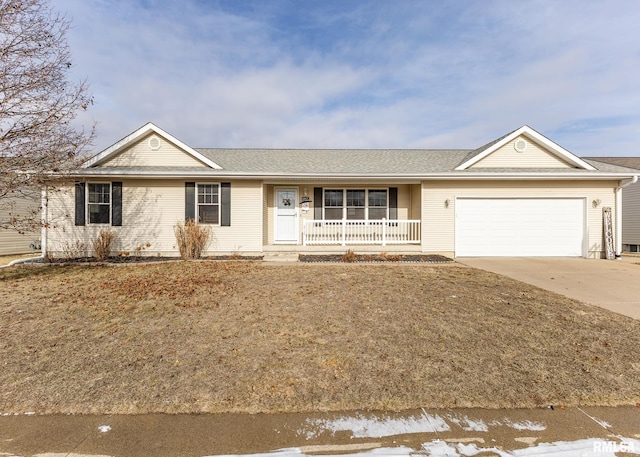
x=344, y=232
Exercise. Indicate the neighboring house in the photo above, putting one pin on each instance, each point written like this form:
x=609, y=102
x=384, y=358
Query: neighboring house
x=520, y=195
x=630, y=204
x=20, y=205
x=13, y=241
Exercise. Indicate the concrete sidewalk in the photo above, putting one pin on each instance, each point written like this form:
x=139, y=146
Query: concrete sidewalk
x=552, y=432
x=610, y=284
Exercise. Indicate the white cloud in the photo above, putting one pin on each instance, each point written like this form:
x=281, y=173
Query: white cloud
x=344, y=74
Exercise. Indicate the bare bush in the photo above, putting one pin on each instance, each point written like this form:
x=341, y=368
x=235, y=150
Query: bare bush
x=192, y=238
x=349, y=256
x=73, y=250
x=102, y=244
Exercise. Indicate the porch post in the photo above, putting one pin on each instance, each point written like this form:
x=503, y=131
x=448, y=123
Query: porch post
x=384, y=231
x=344, y=231
x=304, y=233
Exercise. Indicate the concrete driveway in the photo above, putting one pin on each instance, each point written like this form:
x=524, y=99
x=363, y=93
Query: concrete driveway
x=610, y=284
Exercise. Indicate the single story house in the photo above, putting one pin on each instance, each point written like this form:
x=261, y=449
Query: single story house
x=630, y=204
x=519, y=195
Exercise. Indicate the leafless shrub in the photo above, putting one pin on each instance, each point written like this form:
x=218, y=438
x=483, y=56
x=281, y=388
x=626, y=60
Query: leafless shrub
x=73, y=250
x=349, y=256
x=390, y=257
x=192, y=238
x=102, y=244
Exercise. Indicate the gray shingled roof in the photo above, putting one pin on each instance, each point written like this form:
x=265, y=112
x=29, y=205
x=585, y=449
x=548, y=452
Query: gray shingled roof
x=361, y=162
x=629, y=162
x=319, y=161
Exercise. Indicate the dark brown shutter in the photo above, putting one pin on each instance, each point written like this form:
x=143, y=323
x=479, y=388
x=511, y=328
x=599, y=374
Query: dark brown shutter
x=116, y=204
x=317, y=203
x=225, y=204
x=189, y=201
x=80, y=203
x=393, y=203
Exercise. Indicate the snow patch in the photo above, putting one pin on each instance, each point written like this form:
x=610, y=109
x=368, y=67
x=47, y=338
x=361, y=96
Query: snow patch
x=591, y=447
x=522, y=425
x=104, y=428
x=374, y=427
x=469, y=425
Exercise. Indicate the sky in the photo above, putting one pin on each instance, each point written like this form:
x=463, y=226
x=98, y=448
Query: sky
x=361, y=73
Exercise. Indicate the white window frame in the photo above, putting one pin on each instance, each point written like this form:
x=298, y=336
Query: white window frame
x=345, y=207
x=87, y=202
x=219, y=204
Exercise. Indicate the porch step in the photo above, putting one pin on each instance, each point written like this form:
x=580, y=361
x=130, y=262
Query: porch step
x=280, y=257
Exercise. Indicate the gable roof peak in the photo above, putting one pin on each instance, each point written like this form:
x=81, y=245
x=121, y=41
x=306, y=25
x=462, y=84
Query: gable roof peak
x=535, y=136
x=136, y=135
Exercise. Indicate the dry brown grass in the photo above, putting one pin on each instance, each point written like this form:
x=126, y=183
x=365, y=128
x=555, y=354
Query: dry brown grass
x=7, y=259
x=229, y=336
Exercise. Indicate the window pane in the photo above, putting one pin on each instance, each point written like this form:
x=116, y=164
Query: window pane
x=378, y=198
x=99, y=214
x=333, y=198
x=355, y=198
x=355, y=213
x=208, y=214
x=333, y=213
x=99, y=193
x=208, y=193
x=377, y=213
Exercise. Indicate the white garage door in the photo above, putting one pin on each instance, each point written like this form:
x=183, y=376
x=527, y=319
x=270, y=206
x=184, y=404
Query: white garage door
x=508, y=227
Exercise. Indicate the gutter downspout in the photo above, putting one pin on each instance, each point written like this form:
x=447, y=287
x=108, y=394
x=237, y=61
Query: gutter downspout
x=43, y=235
x=618, y=196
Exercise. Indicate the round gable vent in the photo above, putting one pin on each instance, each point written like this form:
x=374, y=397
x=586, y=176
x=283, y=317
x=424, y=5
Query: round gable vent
x=520, y=145
x=154, y=143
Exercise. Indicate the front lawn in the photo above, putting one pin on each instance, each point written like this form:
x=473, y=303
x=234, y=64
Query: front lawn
x=246, y=336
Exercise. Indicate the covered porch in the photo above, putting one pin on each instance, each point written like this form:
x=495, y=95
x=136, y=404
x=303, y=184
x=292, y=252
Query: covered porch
x=335, y=216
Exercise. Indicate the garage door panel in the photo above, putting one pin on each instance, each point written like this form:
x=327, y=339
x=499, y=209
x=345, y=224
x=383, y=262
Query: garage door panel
x=509, y=227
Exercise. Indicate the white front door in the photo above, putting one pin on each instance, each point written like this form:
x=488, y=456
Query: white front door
x=286, y=220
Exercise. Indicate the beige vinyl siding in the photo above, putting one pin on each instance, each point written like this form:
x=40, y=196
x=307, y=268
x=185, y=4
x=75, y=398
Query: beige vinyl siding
x=245, y=232
x=271, y=212
x=534, y=156
x=267, y=193
x=11, y=241
x=140, y=154
x=438, y=222
x=631, y=214
x=416, y=201
x=150, y=210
